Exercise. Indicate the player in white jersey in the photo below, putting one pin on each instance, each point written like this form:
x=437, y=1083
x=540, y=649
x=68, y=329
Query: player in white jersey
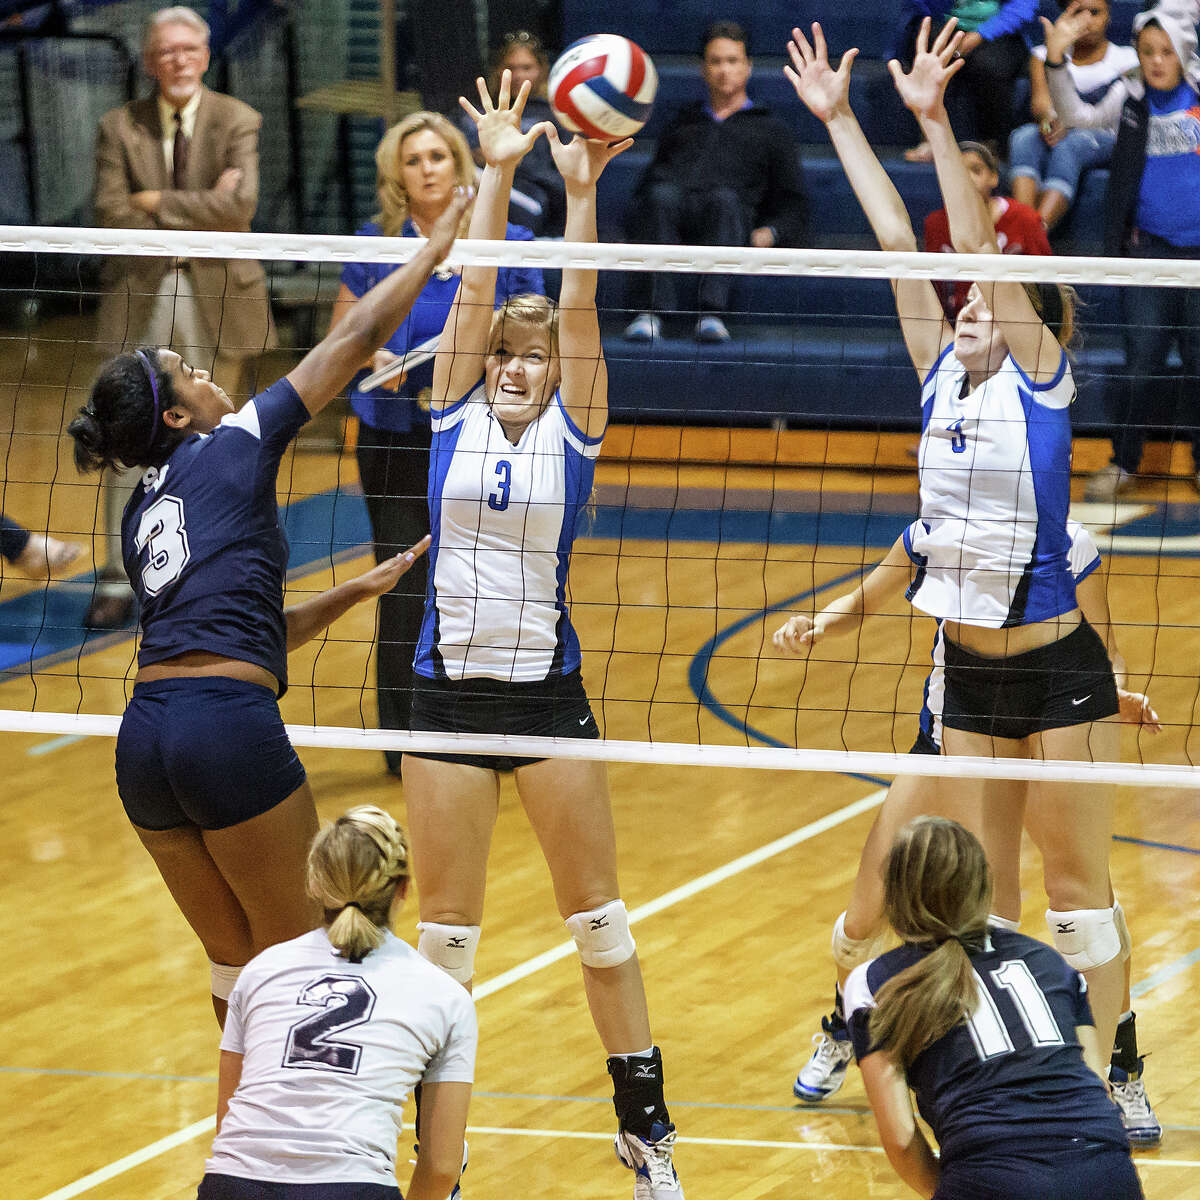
x=329, y=1034
x=1026, y=676
x=520, y=404
x=858, y=932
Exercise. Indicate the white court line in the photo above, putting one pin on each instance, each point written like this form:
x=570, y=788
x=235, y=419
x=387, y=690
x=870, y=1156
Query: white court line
x=519, y=972
x=67, y=739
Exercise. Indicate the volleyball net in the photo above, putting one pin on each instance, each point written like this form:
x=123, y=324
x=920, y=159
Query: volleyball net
x=741, y=482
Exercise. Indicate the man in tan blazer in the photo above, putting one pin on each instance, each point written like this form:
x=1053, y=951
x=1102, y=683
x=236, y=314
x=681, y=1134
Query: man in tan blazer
x=183, y=158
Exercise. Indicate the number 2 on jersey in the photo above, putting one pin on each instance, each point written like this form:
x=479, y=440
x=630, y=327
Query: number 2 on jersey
x=987, y=1027
x=162, y=530
x=498, y=500
x=346, y=1001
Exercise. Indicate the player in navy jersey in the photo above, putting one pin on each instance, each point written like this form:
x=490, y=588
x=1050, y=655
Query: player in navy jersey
x=520, y=405
x=858, y=933
x=205, y=769
x=328, y=1035
x=993, y=1033
x=1025, y=675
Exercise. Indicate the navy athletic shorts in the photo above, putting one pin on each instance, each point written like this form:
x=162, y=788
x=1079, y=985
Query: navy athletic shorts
x=555, y=707
x=206, y=751
x=231, y=1187
x=925, y=745
x=1040, y=1170
x=1068, y=682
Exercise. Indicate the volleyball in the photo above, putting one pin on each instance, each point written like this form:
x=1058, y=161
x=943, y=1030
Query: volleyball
x=603, y=87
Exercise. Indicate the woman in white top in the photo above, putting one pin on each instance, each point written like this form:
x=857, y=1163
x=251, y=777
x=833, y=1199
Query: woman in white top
x=519, y=409
x=1025, y=675
x=328, y=1034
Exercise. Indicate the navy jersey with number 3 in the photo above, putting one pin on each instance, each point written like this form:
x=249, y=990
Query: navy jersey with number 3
x=1014, y=1072
x=203, y=545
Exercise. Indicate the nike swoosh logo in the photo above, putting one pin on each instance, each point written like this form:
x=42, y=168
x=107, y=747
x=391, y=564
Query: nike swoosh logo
x=583, y=720
x=1076, y=703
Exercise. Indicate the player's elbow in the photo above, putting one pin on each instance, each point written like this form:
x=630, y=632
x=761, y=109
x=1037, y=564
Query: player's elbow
x=897, y=238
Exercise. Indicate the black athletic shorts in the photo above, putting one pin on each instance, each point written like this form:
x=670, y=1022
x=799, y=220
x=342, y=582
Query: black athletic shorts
x=554, y=707
x=1068, y=682
x=925, y=744
x=204, y=751
x=1042, y=1170
x=232, y=1187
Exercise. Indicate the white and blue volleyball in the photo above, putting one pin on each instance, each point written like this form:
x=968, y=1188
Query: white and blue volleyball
x=603, y=87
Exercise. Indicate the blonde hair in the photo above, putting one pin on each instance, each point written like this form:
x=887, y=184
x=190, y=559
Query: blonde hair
x=529, y=309
x=393, y=199
x=937, y=890
x=354, y=867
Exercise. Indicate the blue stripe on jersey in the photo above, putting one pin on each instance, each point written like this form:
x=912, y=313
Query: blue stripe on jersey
x=567, y=656
x=428, y=660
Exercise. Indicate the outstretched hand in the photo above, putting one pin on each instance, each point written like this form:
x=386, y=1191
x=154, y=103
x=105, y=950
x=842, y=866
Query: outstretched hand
x=581, y=161
x=1061, y=35
x=797, y=635
x=823, y=90
x=382, y=578
x=924, y=87
x=501, y=141
x=445, y=228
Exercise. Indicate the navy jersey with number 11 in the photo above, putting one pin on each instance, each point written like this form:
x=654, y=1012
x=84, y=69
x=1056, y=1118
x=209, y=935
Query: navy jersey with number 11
x=203, y=545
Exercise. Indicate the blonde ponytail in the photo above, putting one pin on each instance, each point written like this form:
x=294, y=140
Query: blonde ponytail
x=354, y=868
x=937, y=891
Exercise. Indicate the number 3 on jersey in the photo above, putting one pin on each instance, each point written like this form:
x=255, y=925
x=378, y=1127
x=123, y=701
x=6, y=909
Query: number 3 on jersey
x=498, y=499
x=162, y=530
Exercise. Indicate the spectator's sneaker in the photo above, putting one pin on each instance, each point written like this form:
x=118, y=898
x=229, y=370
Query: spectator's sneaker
x=1129, y=1092
x=1108, y=483
x=711, y=329
x=825, y=1071
x=645, y=327
x=654, y=1175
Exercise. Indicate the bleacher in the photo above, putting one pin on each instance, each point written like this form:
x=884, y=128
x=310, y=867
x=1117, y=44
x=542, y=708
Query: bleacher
x=811, y=352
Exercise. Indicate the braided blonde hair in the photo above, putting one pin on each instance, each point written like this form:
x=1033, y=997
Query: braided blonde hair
x=354, y=868
x=393, y=199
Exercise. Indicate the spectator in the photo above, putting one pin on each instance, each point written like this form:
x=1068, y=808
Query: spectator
x=539, y=199
x=35, y=554
x=1152, y=211
x=1046, y=158
x=1019, y=229
x=995, y=49
x=418, y=164
x=183, y=158
x=725, y=173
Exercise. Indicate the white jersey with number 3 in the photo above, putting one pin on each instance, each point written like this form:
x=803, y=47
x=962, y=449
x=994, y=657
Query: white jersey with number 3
x=332, y=1049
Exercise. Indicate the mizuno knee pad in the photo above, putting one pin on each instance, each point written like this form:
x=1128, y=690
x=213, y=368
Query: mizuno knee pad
x=602, y=935
x=849, y=953
x=451, y=947
x=1086, y=937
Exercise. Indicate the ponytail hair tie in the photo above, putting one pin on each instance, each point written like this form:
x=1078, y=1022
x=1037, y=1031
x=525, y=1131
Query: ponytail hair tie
x=353, y=904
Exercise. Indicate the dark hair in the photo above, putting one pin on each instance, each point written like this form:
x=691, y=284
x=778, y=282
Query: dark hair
x=1063, y=5
x=517, y=39
x=724, y=29
x=121, y=424
x=1055, y=304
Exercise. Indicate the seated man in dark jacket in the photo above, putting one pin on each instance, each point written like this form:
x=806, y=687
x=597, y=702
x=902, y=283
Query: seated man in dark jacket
x=726, y=173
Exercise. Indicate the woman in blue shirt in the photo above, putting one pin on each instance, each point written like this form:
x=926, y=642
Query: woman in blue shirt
x=419, y=163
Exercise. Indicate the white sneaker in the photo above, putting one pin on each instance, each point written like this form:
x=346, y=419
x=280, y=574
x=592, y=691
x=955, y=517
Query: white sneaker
x=1129, y=1093
x=711, y=329
x=645, y=327
x=653, y=1171
x=1108, y=483
x=825, y=1071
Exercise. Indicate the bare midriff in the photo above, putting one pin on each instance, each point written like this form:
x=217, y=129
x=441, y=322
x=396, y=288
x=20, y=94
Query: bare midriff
x=202, y=663
x=1003, y=643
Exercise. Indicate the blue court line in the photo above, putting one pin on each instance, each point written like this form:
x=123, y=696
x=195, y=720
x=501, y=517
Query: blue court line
x=1134, y=841
x=698, y=668
x=1163, y=974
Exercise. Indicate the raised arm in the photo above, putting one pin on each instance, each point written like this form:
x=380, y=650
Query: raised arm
x=463, y=346
x=330, y=365
x=1033, y=347
x=584, y=385
x=827, y=94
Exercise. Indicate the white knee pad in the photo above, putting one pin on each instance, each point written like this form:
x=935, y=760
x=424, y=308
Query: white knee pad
x=1086, y=937
x=602, y=935
x=451, y=947
x=223, y=978
x=1122, y=930
x=849, y=953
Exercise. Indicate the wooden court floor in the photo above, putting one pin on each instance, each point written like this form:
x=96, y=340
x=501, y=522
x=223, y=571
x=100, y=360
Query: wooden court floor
x=107, y=1073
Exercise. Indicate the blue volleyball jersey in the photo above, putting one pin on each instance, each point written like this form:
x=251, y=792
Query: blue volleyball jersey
x=202, y=541
x=1015, y=1071
x=991, y=543
x=503, y=518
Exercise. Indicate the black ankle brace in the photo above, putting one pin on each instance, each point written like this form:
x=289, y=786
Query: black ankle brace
x=638, y=1095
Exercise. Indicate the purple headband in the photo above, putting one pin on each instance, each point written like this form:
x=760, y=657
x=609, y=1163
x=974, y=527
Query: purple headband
x=145, y=360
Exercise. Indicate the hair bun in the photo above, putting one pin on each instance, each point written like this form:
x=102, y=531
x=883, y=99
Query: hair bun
x=88, y=434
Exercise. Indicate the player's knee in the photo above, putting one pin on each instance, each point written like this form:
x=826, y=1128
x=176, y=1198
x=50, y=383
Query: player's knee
x=1122, y=930
x=1085, y=937
x=451, y=947
x=602, y=935
x=223, y=976
x=850, y=952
